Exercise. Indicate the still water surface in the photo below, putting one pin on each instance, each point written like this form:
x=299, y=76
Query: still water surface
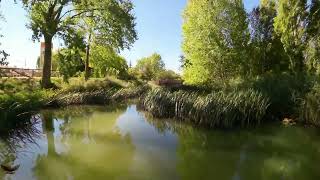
x=90, y=142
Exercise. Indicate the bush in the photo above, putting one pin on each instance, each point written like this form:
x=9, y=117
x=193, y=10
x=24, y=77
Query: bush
x=168, y=75
x=284, y=91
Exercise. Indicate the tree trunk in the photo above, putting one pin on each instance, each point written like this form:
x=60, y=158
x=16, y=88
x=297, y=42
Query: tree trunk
x=87, y=68
x=46, y=71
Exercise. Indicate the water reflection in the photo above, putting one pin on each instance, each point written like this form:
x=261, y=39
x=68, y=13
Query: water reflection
x=270, y=152
x=120, y=142
x=15, y=134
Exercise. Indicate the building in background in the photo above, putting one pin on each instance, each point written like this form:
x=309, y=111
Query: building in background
x=40, y=59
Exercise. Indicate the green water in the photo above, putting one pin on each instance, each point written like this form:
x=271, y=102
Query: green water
x=122, y=143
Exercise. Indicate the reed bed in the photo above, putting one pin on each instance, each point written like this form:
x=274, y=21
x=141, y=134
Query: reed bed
x=217, y=109
x=309, y=110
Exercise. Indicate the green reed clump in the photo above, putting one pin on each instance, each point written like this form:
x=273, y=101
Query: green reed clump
x=283, y=90
x=15, y=104
x=88, y=86
x=309, y=110
x=218, y=109
x=77, y=98
x=129, y=92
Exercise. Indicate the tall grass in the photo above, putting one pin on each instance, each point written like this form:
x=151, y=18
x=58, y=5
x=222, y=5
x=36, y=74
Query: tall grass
x=218, y=109
x=20, y=103
x=20, y=96
x=309, y=110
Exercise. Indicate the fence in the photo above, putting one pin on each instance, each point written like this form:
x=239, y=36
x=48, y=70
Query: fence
x=21, y=72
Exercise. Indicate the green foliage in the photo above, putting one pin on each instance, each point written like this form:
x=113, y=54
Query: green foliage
x=268, y=52
x=289, y=24
x=217, y=109
x=284, y=91
x=94, y=91
x=105, y=61
x=3, y=60
x=77, y=85
x=168, y=74
x=148, y=68
x=216, y=38
x=312, y=52
x=69, y=62
x=111, y=20
x=309, y=109
x=20, y=97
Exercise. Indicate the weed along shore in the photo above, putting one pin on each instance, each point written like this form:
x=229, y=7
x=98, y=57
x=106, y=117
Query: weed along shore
x=215, y=108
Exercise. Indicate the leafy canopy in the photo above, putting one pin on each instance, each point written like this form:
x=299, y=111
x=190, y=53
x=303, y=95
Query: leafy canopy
x=105, y=61
x=148, y=68
x=216, y=40
x=111, y=20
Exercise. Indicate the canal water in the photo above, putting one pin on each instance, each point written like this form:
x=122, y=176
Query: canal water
x=121, y=142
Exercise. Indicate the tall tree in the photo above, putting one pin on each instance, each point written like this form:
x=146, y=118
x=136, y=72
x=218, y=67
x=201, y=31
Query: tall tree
x=290, y=25
x=216, y=40
x=115, y=30
x=50, y=18
x=150, y=67
x=106, y=61
x=269, y=54
x=312, y=52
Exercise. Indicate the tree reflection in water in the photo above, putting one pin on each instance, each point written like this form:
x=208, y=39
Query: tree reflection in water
x=15, y=135
x=94, y=147
x=119, y=143
x=269, y=152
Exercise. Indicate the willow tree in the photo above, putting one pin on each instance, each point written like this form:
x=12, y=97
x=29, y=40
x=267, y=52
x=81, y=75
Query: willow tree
x=290, y=25
x=216, y=40
x=113, y=20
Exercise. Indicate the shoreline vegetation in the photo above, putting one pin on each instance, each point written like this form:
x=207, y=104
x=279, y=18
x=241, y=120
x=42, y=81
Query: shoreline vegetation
x=239, y=67
x=241, y=105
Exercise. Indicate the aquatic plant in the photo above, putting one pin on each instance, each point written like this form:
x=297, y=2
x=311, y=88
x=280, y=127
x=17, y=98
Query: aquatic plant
x=217, y=109
x=309, y=109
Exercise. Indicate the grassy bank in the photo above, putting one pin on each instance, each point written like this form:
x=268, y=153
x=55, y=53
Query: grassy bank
x=24, y=96
x=241, y=103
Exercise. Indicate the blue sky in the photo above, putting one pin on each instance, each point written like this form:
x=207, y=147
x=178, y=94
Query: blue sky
x=158, y=24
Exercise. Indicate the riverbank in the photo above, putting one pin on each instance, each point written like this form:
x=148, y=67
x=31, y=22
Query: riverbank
x=241, y=104
x=20, y=97
x=292, y=99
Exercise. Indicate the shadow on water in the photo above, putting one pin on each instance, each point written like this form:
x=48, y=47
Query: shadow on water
x=121, y=142
x=14, y=135
x=269, y=152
